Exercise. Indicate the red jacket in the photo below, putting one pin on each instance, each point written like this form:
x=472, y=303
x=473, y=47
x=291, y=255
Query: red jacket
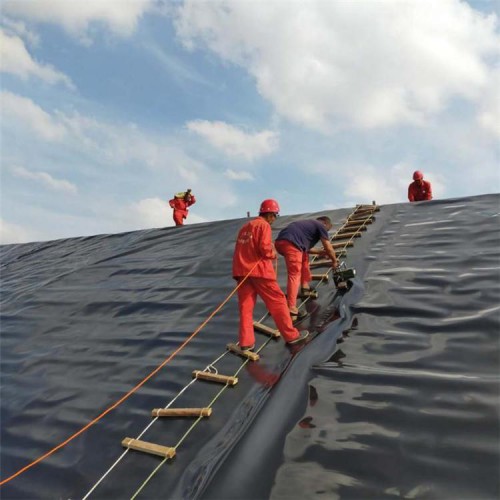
x=181, y=204
x=420, y=192
x=253, y=244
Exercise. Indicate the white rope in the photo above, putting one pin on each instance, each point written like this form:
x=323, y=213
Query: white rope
x=139, y=437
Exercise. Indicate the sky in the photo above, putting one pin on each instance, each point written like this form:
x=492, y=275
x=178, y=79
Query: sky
x=109, y=107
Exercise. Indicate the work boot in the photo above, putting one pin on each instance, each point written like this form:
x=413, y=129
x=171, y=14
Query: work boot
x=302, y=336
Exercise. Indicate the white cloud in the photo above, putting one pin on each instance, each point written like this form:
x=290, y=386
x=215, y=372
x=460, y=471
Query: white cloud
x=154, y=212
x=118, y=146
x=489, y=113
x=46, y=179
x=367, y=183
x=13, y=233
x=115, y=144
x=15, y=59
x=364, y=64
x=234, y=141
x=18, y=28
x=240, y=175
x=25, y=112
x=77, y=17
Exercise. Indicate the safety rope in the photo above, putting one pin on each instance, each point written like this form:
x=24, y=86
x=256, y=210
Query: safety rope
x=131, y=391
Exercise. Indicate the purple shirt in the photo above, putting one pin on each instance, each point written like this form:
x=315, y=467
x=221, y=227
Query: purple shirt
x=304, y=234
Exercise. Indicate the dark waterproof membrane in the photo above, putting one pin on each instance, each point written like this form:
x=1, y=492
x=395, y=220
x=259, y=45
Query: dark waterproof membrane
x=397, y=395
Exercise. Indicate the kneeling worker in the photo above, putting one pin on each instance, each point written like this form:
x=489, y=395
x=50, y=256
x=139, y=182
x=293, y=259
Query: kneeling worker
x=295, y=243
x=254, y=253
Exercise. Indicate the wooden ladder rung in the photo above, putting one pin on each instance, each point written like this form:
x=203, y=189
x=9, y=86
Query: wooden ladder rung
x=215, y=377
x=181, y=412
x=321, y=263
x=252, y=356
x=366, y=206
x=342, y=245
x=260, y=327
x=151, y=448
x=319, y=277
x=339, y=253
x=345, y=236
x=367, y=220
x=348, y=228
x=366, y=211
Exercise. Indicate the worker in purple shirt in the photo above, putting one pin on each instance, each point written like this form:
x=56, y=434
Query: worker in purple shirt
x=295, y=242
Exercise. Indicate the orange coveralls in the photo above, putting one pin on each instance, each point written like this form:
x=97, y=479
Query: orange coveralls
x=420, y=192
x=254, y=246
x=180, y=206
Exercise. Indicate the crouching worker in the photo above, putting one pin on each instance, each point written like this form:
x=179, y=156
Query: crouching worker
x=295, y=242
x=419, y=190
x=253, y=256
x=180, y=203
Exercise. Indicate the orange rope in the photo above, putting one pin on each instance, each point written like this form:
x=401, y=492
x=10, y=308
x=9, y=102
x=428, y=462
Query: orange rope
x=129, y=393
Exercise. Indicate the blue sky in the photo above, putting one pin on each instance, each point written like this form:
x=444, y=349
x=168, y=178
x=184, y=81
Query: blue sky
x=110, y=107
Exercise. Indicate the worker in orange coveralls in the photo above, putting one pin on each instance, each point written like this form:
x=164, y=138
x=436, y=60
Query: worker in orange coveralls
x=295, y=242
x=180, y=203
x=254, y=253
x=419, y=190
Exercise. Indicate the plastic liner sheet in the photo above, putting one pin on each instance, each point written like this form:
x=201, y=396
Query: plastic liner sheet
x=396, y=396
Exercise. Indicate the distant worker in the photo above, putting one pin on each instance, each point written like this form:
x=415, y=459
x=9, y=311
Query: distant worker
x=295, y=242
x=254, y=253
x=180, y=203
x=419, y=190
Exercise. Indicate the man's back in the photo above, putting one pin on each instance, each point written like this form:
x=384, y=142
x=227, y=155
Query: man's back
x=254, y=243
x=304, y=234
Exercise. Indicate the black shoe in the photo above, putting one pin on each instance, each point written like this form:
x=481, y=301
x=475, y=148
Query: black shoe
x=302, y=336
x=247, y=348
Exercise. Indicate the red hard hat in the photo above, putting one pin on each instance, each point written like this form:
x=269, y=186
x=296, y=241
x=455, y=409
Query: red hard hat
x=269, y=206
x=417, y=175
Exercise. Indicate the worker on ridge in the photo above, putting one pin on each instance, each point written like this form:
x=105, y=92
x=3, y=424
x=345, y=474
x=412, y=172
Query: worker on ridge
x=254, y=253
x=419, y=190
x=180, y=203
x=295, y=242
